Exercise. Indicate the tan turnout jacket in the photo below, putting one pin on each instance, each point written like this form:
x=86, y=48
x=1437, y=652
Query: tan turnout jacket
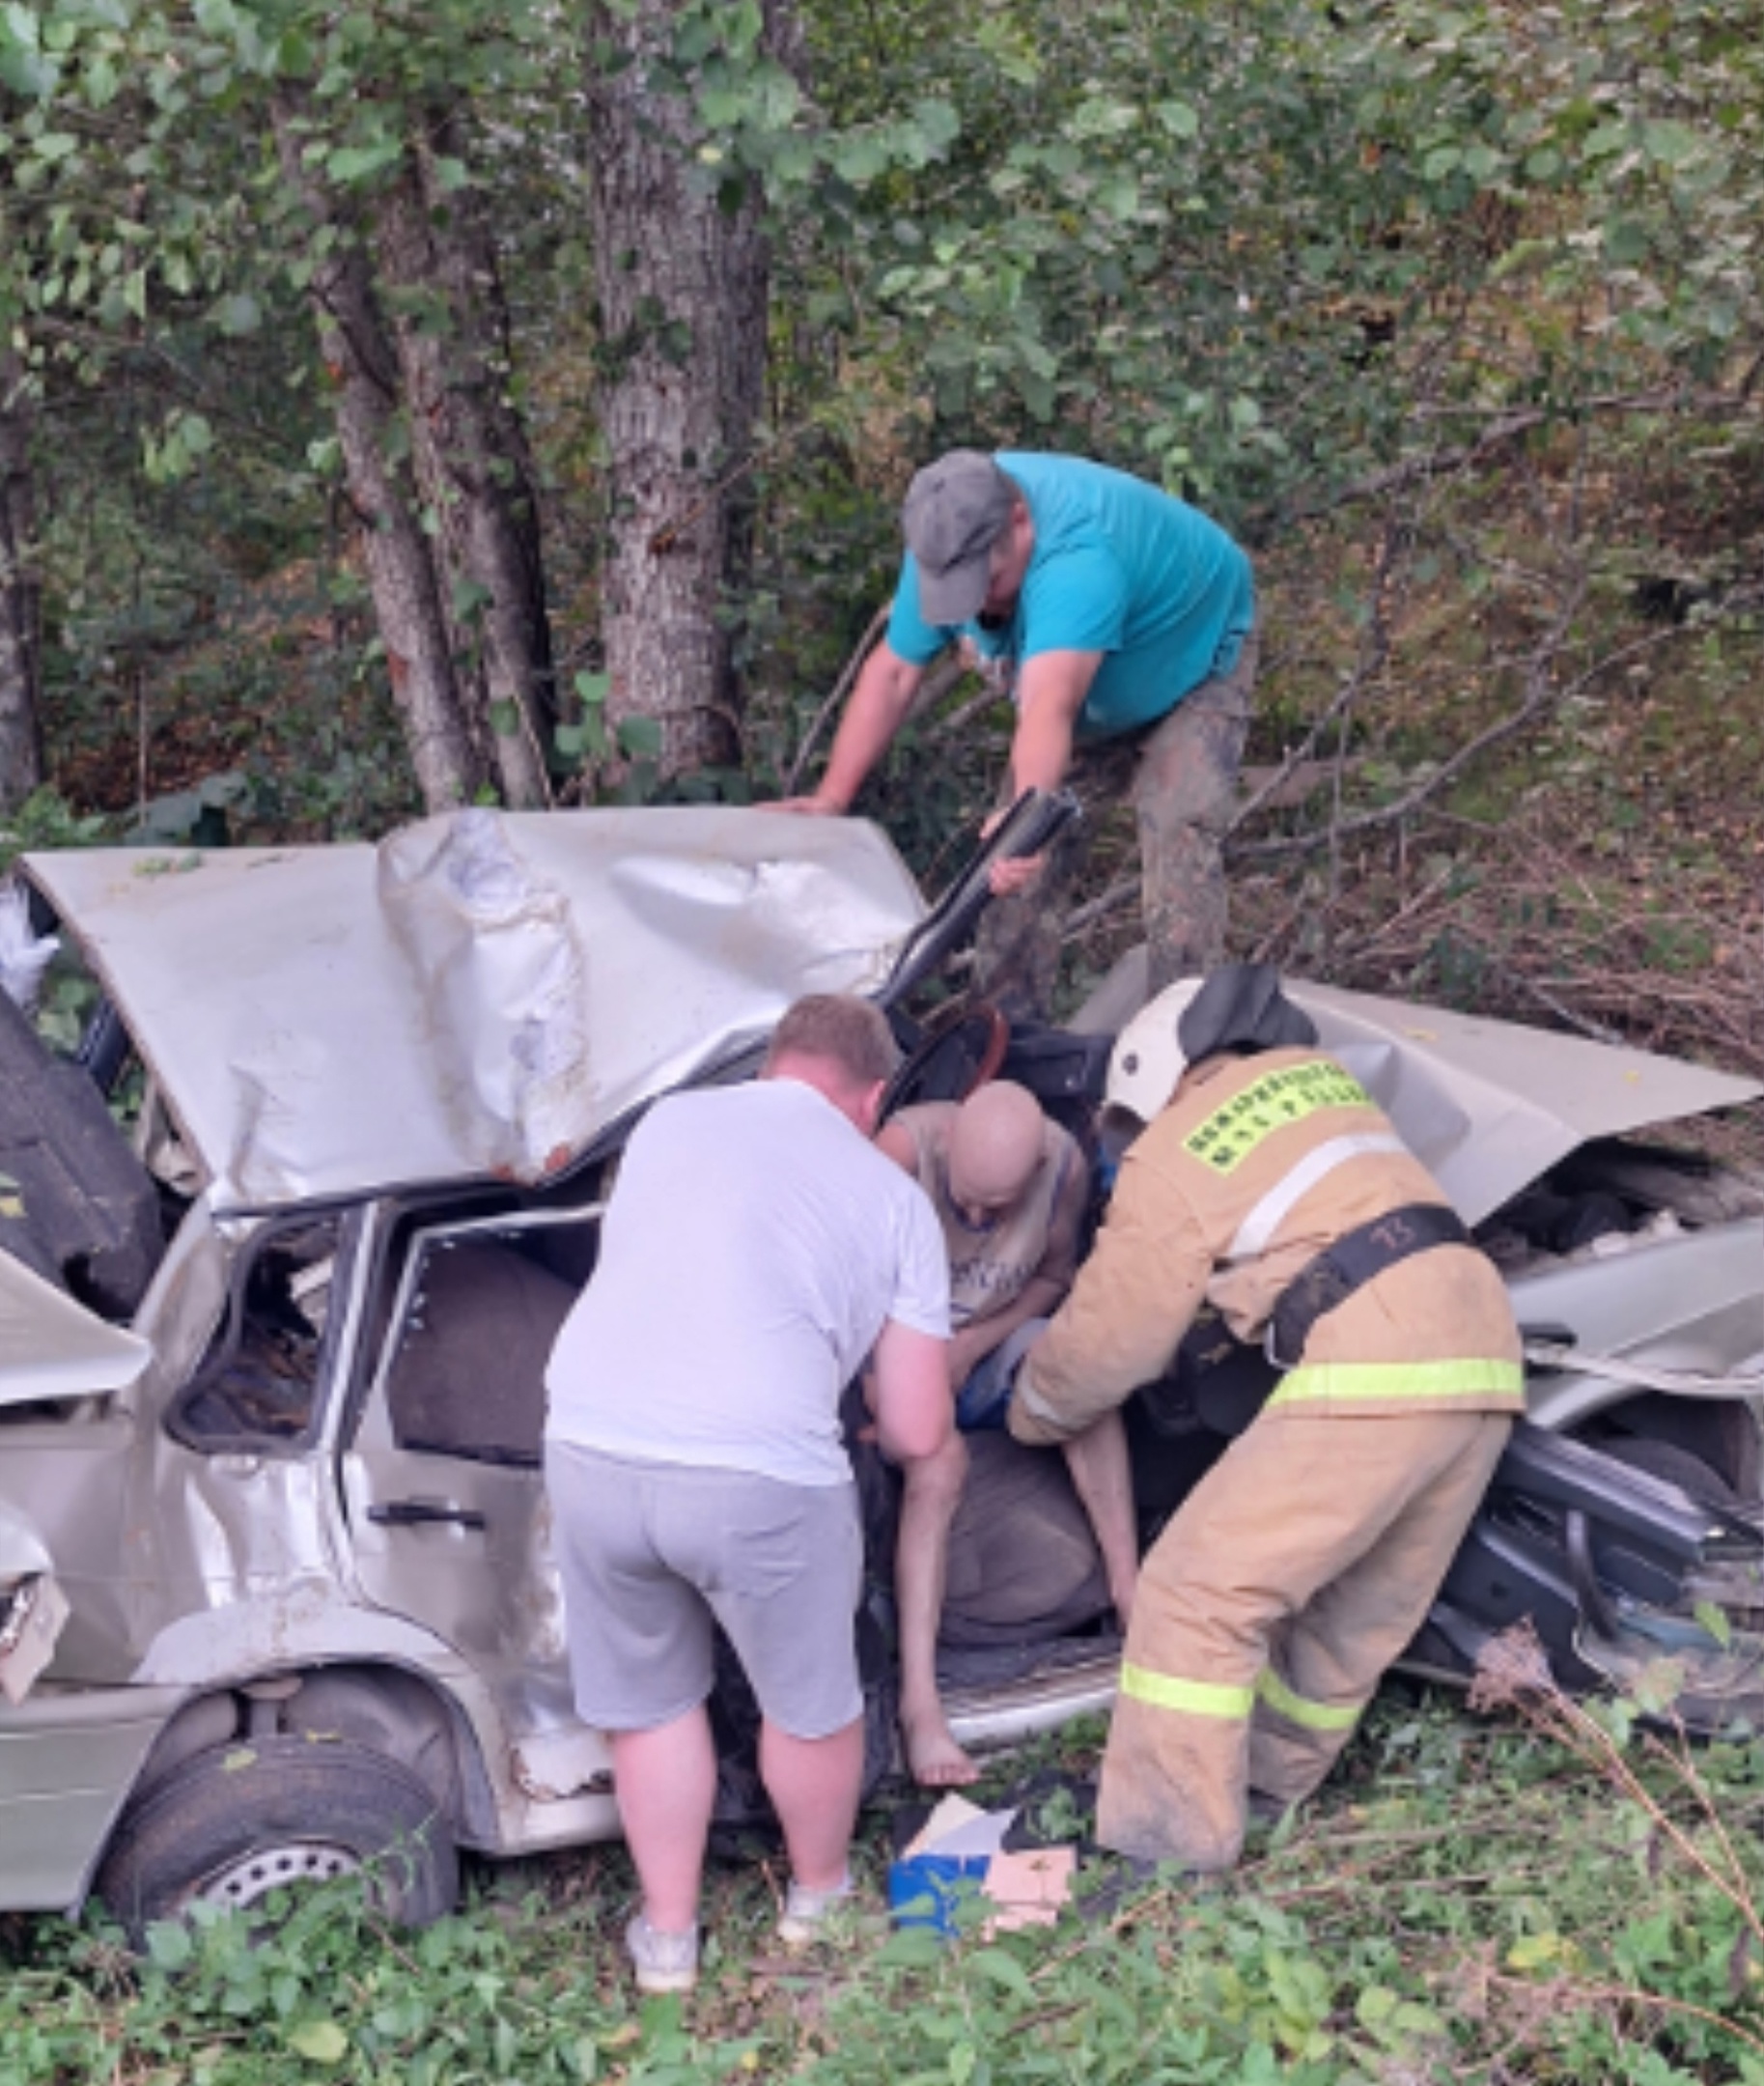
x=1257, y=1165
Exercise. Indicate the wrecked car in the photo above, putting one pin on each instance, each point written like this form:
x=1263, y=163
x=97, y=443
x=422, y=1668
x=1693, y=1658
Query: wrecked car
x=276, y=1595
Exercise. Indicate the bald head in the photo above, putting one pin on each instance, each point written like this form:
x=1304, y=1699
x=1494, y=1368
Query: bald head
x=995, y=1145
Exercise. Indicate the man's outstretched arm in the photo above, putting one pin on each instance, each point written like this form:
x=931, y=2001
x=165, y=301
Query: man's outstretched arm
x=1050, y=692
x=876, y=711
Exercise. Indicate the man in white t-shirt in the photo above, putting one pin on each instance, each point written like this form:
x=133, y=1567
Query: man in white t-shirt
x=757, y=1248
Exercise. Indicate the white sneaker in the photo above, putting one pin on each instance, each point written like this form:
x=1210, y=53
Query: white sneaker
x=664, y=1963
x=805, y=1916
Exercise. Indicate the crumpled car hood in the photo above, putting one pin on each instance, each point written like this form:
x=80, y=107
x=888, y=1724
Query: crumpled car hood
x=482, y=993
x=53, y=1347
x=1488, y=1106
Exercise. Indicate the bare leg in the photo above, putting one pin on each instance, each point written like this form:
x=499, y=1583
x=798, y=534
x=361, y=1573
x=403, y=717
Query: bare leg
x=1097, y=1459
x=921, y=1564
x=813, y=1784
x=666, y=1782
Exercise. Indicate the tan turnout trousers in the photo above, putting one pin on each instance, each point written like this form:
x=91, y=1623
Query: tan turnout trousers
x=1305, y=1560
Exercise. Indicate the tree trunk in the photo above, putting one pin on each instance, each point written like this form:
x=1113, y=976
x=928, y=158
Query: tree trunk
x=471, y=453
x=20, y=596
x=409, y=599
x=680, y=283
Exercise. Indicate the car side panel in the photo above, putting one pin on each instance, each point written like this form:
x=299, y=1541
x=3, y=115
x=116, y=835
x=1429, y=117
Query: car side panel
x=68, y=1761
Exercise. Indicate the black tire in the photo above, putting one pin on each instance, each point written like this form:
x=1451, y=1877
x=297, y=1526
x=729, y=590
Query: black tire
x=231, y=1825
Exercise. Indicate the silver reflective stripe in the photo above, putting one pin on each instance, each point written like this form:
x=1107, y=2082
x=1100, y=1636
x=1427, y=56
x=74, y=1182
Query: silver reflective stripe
x=1038, y=1408
x=1266, y=1217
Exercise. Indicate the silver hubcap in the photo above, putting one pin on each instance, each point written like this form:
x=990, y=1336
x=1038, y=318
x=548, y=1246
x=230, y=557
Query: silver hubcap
x=255, y=1876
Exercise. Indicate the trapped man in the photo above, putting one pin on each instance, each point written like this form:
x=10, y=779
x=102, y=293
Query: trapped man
x=1010, y=1188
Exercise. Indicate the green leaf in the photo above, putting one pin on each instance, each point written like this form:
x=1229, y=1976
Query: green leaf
x=102, y=82
x=1673, y=144
x=238, y=314
x=1178, y=119
x=27, y=73
x=505, y=720
x=1531, y=1952
x=294, y=56
x=1376, y=2004
x=451, y=174
x=575, y=742
x=1119, y=196
x=168, y=1944
x=1004, y=1970
x=359, y=162
x=1715, y=1620
x=912, y=1948
x=324, y=2041
x=592, y=687
x=1625, y=242
x=859, y=158
x=639, y=736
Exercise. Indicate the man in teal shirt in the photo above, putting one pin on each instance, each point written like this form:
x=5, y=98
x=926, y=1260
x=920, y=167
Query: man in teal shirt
x=1123, y=624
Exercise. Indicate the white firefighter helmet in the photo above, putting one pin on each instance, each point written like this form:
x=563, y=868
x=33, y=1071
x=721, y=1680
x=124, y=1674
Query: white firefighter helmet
x=1239, y=1006
x=1148, y=1059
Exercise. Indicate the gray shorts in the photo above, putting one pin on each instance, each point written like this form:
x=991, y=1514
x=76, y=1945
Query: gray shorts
x=651, y=1553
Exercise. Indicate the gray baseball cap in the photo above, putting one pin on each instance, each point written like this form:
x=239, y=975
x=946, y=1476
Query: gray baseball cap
x=956, y=511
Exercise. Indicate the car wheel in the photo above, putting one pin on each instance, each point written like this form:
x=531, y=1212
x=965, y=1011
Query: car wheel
x=231, y=1827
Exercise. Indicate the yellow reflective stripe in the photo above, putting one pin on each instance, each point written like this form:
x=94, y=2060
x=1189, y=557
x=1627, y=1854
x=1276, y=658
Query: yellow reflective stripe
x=1379, y=1381
x=1200, y=1698
x=1228, y=1137
x=1299, y=1709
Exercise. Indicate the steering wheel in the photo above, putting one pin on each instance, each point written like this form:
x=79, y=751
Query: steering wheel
x=950, y=1060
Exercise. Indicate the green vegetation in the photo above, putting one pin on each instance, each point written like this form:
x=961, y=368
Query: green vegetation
x=1454, y=312
x=1470, y=1899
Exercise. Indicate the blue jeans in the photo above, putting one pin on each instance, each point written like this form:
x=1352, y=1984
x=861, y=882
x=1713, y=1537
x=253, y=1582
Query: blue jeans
x=985, y=1397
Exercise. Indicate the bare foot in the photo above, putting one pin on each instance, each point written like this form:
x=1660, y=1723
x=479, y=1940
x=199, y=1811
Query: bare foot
x=933, y=1756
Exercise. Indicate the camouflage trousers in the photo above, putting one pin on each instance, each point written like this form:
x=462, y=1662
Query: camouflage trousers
x=1180, y=773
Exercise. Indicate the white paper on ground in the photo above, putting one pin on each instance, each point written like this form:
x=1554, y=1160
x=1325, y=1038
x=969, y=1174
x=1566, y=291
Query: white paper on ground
x=957, y=1830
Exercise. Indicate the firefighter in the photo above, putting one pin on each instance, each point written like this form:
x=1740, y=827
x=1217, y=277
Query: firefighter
x=1266, y=1182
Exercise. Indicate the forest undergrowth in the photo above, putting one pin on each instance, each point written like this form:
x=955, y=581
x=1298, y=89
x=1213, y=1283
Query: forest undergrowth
x=1529, y=1891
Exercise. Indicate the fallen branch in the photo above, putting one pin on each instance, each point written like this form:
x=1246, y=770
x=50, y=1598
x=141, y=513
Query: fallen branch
x=848, y=674
x=1506, y=425
x=1541, y=696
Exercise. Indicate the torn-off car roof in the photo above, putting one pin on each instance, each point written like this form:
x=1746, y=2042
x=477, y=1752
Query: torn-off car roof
x=481, y=992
